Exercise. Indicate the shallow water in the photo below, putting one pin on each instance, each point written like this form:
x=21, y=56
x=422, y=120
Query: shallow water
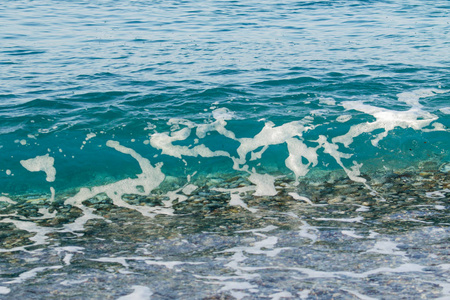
x=224, y=149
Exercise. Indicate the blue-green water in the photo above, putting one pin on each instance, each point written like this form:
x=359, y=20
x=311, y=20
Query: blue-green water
x=180, y=99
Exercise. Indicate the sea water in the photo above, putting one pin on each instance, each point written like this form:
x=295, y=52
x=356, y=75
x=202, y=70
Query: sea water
x=224, y=149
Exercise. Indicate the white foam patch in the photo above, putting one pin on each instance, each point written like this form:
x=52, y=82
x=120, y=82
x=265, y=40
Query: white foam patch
x=310, y=273
x=372, y=234
x=298, y=150
x=90, y=136
x=300, y=198
x=327, y=100
x=218, y=125
x=40, y=238
x=265, y=184
x=69, y=252
x=237, y=285
x=237, y=258
x=155, y=262
x=41, y=163
x=445, y=110
x=32, y=273
x=45, y=214
x=304, y=294
x=7, y=200
x=78, y=224
x=150, y=178
x=190, y=176
x=437, y=194
x=264, y=247
x=269, y=135
x=436, y=127
x=405, y=268
x=359, y=295
x=236, y=199
x=445, y=292
x=343, y=118
x=140, y=293
x=222, y=114
x=412, y=98
x=233, y=283
x=387, y=247
x=415, y=118
x=232, y=286
x=264, y=229
x=176, y=122
x=351, y=233
x=309, y=232
x=245, y=276
x=52, y=194
x=445, y=168
x=4, y=290
x=170, y=264
x=281, y=295
x=332, y=149
x=258, y=154
x=164, y=142
x=150, y=126
x=173, y=195
x=362, y=208
x=238, y=295
x=345, y=220
x=120, y=260
x=319, y=112
x=187, y=190
x=73, y=282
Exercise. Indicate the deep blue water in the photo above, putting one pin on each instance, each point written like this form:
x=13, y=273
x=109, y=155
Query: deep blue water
x=98, y=90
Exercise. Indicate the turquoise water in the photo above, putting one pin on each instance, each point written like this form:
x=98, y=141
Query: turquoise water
x=70, y=69
x=185, y=99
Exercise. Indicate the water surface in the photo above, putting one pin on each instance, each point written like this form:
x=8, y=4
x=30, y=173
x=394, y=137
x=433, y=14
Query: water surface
x=224, y=149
